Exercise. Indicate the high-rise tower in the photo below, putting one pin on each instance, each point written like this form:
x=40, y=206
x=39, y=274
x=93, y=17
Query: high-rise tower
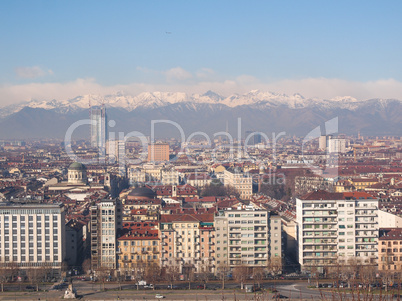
x=98, y=128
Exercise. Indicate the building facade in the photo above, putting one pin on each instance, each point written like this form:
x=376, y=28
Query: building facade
x=158, y=152
x=242, y=182
x=390, y=249
x=32, y=235
x=335, y=227
x=249, y=237
x=98, y=128
x=105, y=220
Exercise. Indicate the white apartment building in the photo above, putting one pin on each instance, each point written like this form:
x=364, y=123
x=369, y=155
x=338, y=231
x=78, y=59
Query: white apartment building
x=32, y=235
x=105, y=220
x=336, y=145
x=248, y=236
x=334, y=227
x=170, y=176
x=242, y=182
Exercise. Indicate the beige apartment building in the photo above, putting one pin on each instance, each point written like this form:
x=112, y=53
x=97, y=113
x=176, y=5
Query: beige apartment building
x=188, y=241
x=242, y=182
x=249, y=236
x=390, y=249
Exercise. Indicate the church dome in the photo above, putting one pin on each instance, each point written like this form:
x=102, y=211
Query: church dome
x=142, y=192
x=77, y=166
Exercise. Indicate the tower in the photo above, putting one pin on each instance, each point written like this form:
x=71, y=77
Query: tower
x=98, y=128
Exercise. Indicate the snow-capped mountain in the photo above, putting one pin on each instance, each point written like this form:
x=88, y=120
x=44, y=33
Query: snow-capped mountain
x=152, y=100
x=209, y=112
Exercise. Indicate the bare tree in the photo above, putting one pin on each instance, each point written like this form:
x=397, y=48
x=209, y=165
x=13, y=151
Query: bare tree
x=138, y=272
x=275, y=266
x=36, y=276
x=258, y=275
x=3, y=276
x=172, y=273
x=152, y=273
x=86, y=265
x=240, y=274
x=103, y=273
x=222, y=273
x=205, y=272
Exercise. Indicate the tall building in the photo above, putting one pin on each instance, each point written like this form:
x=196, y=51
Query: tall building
x=32, y=236
x=253, y=137
x=158, y=152
x=336, y=145
x=138, y=247
x=106, y=218
x=188, y=242
x=98, y=128
x=333, y=228
x=242, y=182
x=248, y=236
x=322, y=142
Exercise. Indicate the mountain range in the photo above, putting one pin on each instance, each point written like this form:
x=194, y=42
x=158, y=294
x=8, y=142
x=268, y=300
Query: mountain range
x=209, y=112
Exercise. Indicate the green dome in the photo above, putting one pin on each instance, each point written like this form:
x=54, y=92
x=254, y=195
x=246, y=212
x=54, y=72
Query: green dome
x=77, y=166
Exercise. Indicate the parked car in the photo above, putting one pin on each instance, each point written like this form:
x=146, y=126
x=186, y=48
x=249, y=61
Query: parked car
x=279, y=296
x=201, y=287
x=30, y=287
x=159, y=296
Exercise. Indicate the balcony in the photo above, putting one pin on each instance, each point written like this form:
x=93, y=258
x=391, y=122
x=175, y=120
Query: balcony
x=211, y=243
x=211, y=235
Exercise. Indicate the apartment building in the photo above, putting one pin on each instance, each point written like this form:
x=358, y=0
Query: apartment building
x=188, y=240
x=248, y=236
x=32, y=235
x=137, y=248
x=390, y=249
x=158, y=152
x=106, y=218
x=242, y=182
x=334, y=227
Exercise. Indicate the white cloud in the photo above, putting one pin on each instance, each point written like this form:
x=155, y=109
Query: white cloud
x=308, y=87
x=32, y=72
x=177, y=74
x=205, y=73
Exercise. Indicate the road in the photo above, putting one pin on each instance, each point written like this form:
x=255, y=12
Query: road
x=93, y=291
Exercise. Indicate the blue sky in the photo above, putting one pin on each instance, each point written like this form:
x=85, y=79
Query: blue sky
x=55, y=49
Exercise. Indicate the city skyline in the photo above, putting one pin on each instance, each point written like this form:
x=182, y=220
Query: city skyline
x=56, y=51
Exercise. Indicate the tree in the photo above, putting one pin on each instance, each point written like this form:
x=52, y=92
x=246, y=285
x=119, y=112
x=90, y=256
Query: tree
x=3, y=276
x=138, y=272
x=64, y=268
x=152, y=273
x=258, y=275
x=275, y=266
x=86, y=266
x=222, y=273
x=240, y=274
x=103, y=273
x=205, y=272
x=35, y=276
x=172, y=273
x=218, y=189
